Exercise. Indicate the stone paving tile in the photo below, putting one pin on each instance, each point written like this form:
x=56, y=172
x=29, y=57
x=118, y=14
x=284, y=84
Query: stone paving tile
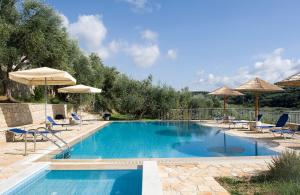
x=178, y=178
x=199, y=178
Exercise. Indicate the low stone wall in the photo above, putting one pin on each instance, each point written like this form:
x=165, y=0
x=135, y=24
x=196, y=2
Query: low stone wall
x=18, y=114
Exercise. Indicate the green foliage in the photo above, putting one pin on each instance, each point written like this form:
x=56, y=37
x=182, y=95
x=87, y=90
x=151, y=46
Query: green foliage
x=245, y=185
x=38, y=93
x=31, y=35
x=121, y=117
x=203, y=101
x=55, y=100
x=285, y=188
x=287, y=99
x=285, y=167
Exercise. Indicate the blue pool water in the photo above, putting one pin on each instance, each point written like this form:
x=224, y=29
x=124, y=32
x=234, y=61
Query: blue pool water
x=164, y=140
x=104, y=182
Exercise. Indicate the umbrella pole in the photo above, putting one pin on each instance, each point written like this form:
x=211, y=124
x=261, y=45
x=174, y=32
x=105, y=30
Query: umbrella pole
x=46, y=94
x=225, y=98
x=256, y=106
x=94, y=98
x=80, y=110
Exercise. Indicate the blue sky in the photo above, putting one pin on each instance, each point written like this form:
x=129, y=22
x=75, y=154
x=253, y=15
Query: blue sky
x=202, y=44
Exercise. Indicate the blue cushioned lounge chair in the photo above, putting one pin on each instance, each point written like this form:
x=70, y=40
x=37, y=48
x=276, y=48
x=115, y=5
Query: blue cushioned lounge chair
x=279, y=126
x=23, y=132
x=53, y=123
x=75, y=116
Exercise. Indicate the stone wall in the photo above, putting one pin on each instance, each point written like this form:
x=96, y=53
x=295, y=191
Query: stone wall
x=18, y=114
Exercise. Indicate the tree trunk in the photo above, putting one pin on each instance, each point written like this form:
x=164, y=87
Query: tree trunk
x=7, y=91
x=142, y=114
x=7, y=86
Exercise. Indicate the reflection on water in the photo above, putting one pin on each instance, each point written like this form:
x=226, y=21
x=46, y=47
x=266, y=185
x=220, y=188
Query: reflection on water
x=182, y=133
x=164, y=140
x=196, y=147
x=228, y=150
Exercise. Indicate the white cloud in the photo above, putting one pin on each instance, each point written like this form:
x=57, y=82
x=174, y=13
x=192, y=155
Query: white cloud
x=64, y=19
x=142, y=5
x=271, y=67
x=172, y=54
x=91, y=33
x=144, y=56
x=116, y=46
x=149, y=35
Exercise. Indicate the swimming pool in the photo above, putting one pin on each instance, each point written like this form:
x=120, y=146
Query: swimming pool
x=61, y=182
x=164, y=140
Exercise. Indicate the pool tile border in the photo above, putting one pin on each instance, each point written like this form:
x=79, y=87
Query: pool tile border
x=11, y=183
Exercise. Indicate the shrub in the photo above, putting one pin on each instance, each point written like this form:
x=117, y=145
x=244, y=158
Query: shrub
x=54, y=100
x=285, y=167
x=38, y=93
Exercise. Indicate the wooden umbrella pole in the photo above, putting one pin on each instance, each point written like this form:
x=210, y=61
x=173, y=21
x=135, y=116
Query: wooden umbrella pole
x=256, y=106
x=225, y=105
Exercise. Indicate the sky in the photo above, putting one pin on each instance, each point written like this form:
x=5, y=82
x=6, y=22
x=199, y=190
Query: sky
x=200, y=44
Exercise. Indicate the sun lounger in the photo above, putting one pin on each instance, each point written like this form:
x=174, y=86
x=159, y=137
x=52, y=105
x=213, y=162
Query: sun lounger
x=279, y=126
x=218, y=119
x=53, y=123
x=244, y=122
x=77, y=118
x=32, y=132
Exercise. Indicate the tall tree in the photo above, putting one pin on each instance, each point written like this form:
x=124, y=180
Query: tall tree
x=31, y=36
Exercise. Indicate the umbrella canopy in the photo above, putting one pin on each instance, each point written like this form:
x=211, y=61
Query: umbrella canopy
x=292, y=81
x=79, y=89
x=225, y=91
x=258, y=86
x=42, y=76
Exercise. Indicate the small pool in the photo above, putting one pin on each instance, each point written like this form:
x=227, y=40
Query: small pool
x=164, y=140
x=62, y=182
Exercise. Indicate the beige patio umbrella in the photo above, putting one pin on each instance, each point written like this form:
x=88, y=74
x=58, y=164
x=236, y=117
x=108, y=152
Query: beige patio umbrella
x=225, y=92
x=258, y=86
x=79, y=89
x=43, y=76
x=292, y=81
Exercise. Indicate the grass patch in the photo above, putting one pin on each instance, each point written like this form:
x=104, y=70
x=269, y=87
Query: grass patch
x=121, y=117
x=246, y=185
x=124, y=117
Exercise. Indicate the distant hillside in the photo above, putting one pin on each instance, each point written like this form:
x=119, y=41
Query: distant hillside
x=290, y=98
x=199, y=92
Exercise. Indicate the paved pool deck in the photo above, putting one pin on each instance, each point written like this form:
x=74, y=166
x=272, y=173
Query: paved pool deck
x=178, y=176
x=13, y=160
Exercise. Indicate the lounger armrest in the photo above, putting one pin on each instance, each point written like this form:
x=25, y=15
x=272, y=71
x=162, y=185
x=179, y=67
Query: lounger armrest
x=263, y=126
x=281, y=128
